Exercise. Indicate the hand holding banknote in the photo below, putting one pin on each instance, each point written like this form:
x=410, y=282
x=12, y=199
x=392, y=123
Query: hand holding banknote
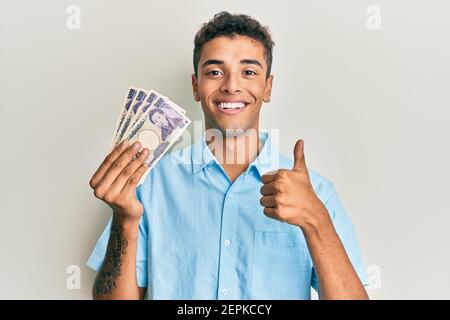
x=153, y=120
x=115, y=180
x=148, y=125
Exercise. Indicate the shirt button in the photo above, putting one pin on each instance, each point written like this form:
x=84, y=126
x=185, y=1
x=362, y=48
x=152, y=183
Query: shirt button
x=227, y=242
x=225, y=292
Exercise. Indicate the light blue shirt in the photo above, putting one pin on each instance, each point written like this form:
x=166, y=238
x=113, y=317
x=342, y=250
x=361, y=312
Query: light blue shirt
x=203, y=237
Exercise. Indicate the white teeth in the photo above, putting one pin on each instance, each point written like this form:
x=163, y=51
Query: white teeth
x=231, y=105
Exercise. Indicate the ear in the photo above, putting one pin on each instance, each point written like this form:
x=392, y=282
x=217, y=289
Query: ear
x=195, y=88
x=268, y=89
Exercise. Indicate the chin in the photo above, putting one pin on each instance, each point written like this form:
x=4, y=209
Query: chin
x=233, y=128
x=235, y=132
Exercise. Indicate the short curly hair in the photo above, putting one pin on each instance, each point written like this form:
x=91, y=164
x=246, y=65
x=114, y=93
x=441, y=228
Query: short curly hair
x=226, y=24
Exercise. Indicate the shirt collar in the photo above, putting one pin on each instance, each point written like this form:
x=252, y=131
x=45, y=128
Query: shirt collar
x=201, y=155
x=267, y=160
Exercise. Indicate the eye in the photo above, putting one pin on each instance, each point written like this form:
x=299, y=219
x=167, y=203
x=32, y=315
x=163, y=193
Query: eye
x=250, y=73
x=213, y=73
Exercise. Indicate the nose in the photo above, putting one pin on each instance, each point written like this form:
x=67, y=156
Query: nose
x=231, y=84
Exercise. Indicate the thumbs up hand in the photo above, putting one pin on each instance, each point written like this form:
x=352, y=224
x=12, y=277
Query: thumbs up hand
x=288, y=195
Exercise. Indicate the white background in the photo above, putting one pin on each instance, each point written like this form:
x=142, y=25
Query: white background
x=372, y=106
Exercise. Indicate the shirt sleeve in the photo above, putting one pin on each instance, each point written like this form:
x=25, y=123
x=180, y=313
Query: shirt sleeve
x=346, y=233
x=95, y=261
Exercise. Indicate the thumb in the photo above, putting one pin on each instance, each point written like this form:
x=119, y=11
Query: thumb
x=299, y=156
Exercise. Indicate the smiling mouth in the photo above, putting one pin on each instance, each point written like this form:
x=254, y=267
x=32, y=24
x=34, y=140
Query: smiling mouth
x=231, y=107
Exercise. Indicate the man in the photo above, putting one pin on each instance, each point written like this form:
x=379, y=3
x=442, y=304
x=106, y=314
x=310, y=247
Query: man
x=265, y=227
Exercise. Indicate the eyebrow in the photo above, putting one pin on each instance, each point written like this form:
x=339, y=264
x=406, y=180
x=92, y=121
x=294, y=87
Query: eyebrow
x=252, y=61
x=243, y=61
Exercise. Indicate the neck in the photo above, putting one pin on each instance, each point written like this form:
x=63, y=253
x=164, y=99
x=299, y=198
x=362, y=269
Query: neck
x=236, y=150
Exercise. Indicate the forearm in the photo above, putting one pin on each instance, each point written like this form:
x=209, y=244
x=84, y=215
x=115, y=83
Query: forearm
x=117, y=277
x=337, y=277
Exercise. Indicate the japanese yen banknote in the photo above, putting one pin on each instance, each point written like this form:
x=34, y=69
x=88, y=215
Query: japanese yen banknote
x=153, y=120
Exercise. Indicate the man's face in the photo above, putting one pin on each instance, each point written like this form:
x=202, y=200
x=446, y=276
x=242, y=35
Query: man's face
x=231, y=82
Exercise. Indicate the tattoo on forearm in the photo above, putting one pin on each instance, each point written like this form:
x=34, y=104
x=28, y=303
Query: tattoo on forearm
x=106, y=280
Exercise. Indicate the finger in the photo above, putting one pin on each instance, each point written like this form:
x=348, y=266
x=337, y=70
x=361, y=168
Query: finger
x=132, y=182
x=299, y=156
x=268, y=201
x=269, y=176
x=117, y=166
x=270, y=212
x=268, y=189
x=109, y=159
x=128, y=171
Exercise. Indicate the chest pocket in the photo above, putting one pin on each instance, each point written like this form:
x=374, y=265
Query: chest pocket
x=280, y=263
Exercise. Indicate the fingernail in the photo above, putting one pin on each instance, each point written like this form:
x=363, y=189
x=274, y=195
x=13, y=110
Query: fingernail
x=136, y=146
x=143, y=154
